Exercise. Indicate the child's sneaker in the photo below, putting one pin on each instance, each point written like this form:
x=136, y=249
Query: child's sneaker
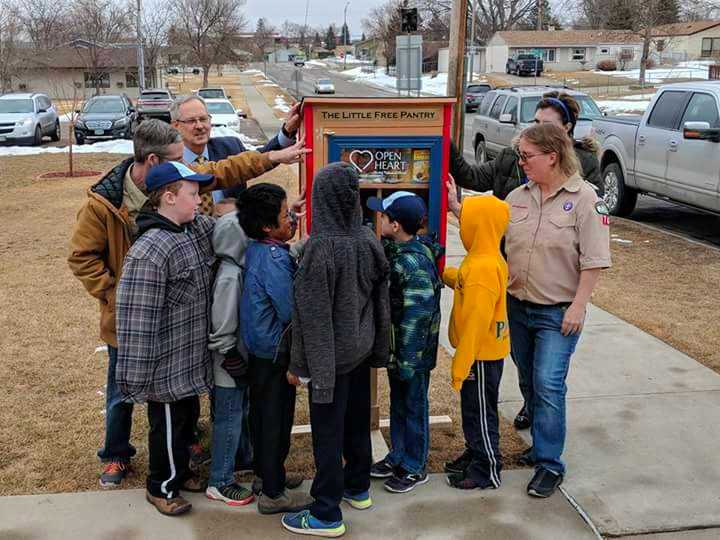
x=113, y=474
x=198, y=456
x=232, y=494
x=460, y=481
x=304, y=523
x=402, y=483
x=382, y=469
x=359, y=501
x=460, y=464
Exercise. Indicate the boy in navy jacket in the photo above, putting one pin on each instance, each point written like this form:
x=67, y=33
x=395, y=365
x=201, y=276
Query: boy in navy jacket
x=265, y=314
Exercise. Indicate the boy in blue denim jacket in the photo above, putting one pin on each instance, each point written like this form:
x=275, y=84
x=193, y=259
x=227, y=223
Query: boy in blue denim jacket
x=265, y=314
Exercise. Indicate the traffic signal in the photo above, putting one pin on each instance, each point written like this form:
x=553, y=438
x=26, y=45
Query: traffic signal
x=409, y=19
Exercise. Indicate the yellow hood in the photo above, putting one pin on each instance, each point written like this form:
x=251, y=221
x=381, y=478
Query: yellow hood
x=483, y=220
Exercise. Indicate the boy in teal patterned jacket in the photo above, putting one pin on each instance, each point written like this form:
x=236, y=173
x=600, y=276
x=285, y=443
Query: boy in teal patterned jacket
x=415, y=286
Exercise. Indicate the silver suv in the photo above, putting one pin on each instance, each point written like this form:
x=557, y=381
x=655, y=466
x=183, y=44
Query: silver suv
x=27, y=118
x=505, y=112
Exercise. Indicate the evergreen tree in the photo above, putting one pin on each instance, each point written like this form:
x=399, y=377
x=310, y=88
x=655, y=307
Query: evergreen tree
x=363, y=38
x=345, y=34
x=548, y=18
x=330, y=39
x=622, y=15
x=317, y=42
x=668, y=11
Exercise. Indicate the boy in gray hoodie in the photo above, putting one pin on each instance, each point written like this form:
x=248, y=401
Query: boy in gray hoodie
x=341, y=322
x=230, y=391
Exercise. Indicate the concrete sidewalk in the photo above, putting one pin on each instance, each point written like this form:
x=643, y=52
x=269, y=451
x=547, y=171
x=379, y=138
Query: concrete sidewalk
x=643, y=428
x=432, y=511
x=261, y=111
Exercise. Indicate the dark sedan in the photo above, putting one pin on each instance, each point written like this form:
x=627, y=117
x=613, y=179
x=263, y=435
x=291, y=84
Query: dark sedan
x=105, y=118
x=474, y=94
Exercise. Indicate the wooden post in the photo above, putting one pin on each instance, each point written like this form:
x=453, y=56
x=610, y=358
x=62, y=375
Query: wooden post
x=456, y=67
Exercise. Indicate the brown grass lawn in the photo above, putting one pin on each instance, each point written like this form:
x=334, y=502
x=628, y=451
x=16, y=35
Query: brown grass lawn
x=52, y=404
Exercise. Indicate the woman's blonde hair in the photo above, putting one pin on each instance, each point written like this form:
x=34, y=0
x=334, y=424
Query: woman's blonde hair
x=551, y=138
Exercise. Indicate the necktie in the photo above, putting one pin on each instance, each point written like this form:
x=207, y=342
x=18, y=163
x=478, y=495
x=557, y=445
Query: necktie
x=206, y=202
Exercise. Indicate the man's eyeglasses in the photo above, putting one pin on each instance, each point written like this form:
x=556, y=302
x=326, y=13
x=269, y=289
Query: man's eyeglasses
x=199, y=119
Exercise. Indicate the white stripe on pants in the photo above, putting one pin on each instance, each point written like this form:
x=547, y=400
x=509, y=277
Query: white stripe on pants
x=168, y=443
x=494, y=475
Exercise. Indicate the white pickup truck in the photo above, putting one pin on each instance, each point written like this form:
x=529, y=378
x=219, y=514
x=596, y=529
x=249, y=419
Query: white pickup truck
x=671, y=152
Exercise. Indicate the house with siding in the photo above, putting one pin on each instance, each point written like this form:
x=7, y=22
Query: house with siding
x=565, y=50
x=680, y=42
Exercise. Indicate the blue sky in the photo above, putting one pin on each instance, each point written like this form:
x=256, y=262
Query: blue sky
x=321, y=12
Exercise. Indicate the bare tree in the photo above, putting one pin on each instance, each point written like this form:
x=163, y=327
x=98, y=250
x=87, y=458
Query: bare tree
x=99, y=24
x=10, y=59
x=46, y=23
x=263, y=38
x=208, y=30
x=155, y=26
x=383, y=23
x=698, y=10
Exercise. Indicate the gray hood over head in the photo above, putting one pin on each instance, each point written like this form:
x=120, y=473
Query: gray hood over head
x=336, y=206
x=229, y=240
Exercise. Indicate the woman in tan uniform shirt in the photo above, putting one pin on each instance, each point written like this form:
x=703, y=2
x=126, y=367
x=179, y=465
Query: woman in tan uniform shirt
x=557, y=243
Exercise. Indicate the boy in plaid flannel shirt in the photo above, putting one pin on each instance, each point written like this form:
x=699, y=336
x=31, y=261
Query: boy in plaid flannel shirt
x=163, y=301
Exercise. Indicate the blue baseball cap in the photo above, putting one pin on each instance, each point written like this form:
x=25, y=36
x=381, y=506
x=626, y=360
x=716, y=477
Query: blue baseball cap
x=173, y=171
x=406, y=208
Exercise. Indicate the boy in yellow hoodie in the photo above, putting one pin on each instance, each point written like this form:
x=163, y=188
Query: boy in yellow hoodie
x=479, y=333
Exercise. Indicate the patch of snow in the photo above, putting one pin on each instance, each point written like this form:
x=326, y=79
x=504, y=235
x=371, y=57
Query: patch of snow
x=252, y=72
x=101, y=348
x=684, y=70
x=436, y=86
x=317, y=63
x=281, y=104
x=621, y=241
x=119, y=146
x=622, y=106
x=266, y=81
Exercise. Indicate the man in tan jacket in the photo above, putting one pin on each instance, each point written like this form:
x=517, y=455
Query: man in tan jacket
x=102, y=236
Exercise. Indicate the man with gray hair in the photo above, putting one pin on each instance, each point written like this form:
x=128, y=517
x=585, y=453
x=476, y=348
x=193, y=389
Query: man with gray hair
x=190, y=116
x=102, y=236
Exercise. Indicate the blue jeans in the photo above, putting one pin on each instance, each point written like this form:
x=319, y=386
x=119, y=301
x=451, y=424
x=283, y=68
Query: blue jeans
x=118, y=418
x=409, y=422
x=229, y=432
x=542, y=356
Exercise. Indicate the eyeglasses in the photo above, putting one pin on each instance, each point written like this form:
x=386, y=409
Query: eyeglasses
x=199, y=119
x=525, y=157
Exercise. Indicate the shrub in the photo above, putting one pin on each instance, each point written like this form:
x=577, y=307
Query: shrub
x=607, y=65
x=649, y=63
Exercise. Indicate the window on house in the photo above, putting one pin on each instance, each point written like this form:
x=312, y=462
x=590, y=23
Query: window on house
x=710, y=47
x=578, y=54
x=627, y=54
x=97, y=79
x=604, y=50
x=131, y=79
x=548, y=55
x=660, y=45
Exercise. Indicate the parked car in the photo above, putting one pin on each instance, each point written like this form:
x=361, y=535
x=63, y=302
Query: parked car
x=216, y=92
x=27, y=118
x=474, y=94
x=324, y=86
x=104, y=118
x=670, y=152
x=505, y=112
x=154, y=104
x=224, y=114
x=524, y=64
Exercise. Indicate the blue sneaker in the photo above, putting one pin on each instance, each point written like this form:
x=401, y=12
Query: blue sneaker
x=304, y=523
x=360, y=501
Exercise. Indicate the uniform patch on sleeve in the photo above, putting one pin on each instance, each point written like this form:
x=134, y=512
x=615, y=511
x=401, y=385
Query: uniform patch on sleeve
x=602, y=208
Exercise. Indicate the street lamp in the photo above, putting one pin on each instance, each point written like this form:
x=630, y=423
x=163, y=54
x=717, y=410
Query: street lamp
x=346, y=34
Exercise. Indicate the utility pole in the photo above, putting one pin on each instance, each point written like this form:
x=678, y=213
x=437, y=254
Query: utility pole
x=456, y=67
x=345, y=33
x=539, y=15
x=472, y=42
x=140, y=52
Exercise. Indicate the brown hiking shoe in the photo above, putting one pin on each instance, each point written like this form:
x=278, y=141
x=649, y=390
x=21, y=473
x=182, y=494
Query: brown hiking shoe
x=287, y=501
x=169, y=507
x=194, y=484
